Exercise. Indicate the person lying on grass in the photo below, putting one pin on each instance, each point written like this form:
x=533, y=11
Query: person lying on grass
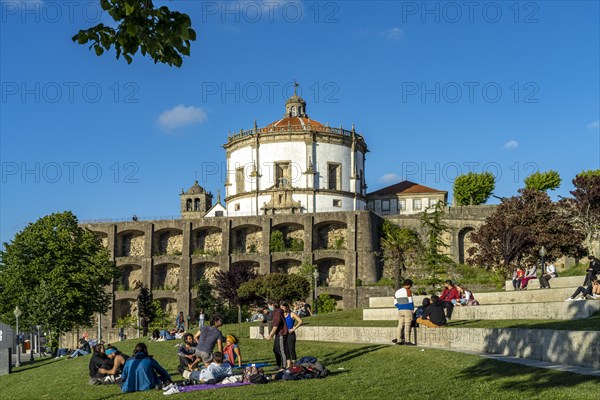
x=232, y=352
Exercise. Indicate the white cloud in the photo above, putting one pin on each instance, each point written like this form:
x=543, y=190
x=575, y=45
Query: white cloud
x=389, y=34
x=388, y=178
x=511, y=144
x=392, y=34
x=181, y=116
x=593, y=125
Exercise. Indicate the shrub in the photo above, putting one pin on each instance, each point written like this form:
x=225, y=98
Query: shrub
x=326, y=304
x=277, y=242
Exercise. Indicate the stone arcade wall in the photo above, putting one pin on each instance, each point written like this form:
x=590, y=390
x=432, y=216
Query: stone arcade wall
x=137, y=247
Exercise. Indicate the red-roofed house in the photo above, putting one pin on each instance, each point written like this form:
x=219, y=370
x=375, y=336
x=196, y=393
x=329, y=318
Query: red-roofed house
x=404, y=198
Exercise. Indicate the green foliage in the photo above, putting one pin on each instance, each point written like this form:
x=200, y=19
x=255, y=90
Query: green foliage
x=575, y=270
x=161, y=319
x=205, y=301
x=400, y=246
x=434, y=259
x=279, y=243
x=252, y=248
x=145, y=303
x=473, y=188
x=227, y=283
x=339, y=243
x=129, y=321
x=162, y=34
x=591, y=173
x=55, y=271
x=549, y=180
x=326, y=304
x=275, y=286
x=306, y=271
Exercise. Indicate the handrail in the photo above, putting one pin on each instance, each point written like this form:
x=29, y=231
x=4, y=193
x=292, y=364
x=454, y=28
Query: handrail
x=293, y=129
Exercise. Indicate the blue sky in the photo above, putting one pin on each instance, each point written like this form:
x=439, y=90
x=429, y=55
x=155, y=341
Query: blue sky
x=437, y=89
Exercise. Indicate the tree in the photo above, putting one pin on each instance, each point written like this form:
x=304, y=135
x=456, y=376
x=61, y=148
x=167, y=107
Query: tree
x=549, y=180
x=277, y=241
x=162, y=34
x=518, y=228
x=583, y=209
x=227, y=283
x=400, y=246
x=434, y=259
x=205, y=301
x=145, y=304
x=275, y=286
x=473, y=189
x=56, y=272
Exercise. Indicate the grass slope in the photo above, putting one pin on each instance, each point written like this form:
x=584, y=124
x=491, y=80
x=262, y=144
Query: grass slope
x=363, y=371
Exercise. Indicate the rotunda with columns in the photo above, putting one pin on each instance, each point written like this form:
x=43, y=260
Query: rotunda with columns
x=295, y=165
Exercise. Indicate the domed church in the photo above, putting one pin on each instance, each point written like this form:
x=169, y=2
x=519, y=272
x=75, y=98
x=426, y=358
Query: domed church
x=295, y=165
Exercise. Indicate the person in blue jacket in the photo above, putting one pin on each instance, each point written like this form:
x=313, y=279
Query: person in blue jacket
x=142, y=372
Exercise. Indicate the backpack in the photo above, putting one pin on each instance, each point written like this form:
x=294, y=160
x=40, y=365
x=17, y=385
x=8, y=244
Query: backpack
x=253, y=374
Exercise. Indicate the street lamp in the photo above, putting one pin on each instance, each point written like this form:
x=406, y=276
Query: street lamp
x=17, y=314
x=542, y=255
x=39, y=341
x=315, y=305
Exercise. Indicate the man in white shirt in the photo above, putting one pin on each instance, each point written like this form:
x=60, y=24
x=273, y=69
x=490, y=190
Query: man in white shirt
x=550, y=273
x=405, y=305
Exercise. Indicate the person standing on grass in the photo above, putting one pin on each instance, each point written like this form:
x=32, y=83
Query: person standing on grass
x=449, y=293
x=405, y=305
x=279, y=331
x=180, y=322
x=433, y=315
x=207, y=338
x=201, y=319
x=293, y=322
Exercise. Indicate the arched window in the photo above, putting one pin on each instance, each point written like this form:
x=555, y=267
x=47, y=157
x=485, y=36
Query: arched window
x=188, y=205
x=196, y=204
x=294, y=113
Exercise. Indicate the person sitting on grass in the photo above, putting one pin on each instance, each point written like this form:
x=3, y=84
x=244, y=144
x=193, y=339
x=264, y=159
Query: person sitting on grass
x=207, y=338
x=83, y=350
x=186, y=352
x=98, y=359
x=433, y=315
x=215, y=372
x=232, y=351
x=142, y=372
x=592, y=291
x=113, y=367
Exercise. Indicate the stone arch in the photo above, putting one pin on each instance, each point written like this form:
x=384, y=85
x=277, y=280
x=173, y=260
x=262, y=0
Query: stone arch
x=169, y=304
x=293, y=235
x=464, y=243
x=130, y=277
x=124, y=308
x=286, y=266
x=204, y=270
x=188, y=205
x=247, y=239
x=165, y=277
x=332, y=235
x=168, y=241
x=332, y=272
x=207, y=241
x=130, y=243
x=197, y=204
x=255, y=265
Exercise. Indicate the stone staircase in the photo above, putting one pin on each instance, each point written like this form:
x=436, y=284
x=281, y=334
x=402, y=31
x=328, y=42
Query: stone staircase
x=532, y=303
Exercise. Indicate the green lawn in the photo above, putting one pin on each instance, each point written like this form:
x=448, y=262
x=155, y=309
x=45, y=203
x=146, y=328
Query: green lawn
x=363, y=371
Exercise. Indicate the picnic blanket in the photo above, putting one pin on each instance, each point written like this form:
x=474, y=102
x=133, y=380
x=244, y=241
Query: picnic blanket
x=195, y=388
x=257, y=365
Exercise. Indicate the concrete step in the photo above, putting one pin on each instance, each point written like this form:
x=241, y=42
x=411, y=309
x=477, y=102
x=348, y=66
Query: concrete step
x=511, y=297
x=567, y=281
x=550, y=310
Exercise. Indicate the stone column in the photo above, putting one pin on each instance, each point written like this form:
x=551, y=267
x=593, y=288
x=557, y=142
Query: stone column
x=185, y=265
x=265, y=256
